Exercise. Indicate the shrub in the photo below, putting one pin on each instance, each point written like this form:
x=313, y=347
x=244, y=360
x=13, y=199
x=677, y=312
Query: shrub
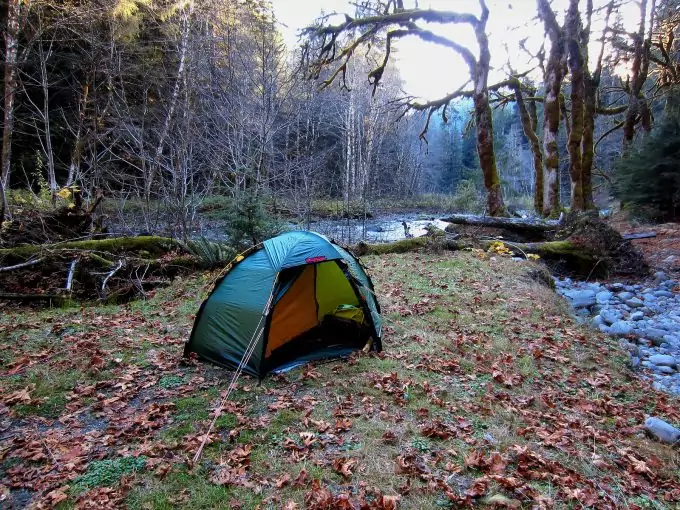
x=247, y=221
x=648, y=179
x=467, y=198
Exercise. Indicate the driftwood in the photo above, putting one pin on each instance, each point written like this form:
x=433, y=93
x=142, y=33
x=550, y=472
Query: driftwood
x=20, y=266
x=641, y=235
x=514, y=224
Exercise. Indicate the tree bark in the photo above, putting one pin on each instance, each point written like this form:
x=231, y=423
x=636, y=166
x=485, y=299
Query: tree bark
x=638, y=110
x=10, y=83
x=576, y=61
x=529, y=122
x=551, y=109
x=3, y=203
x=484, y=120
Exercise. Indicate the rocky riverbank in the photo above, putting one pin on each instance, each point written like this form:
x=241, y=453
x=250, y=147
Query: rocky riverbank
x=646, y=316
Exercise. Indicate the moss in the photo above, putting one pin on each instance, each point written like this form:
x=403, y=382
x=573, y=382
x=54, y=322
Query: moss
x=152, y=244
x=436, y=242
x=403, y=246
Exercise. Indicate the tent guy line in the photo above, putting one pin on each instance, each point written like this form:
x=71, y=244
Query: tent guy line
x=239, y=369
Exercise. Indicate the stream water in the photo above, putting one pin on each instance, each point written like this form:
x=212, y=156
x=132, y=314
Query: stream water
x=379, y=229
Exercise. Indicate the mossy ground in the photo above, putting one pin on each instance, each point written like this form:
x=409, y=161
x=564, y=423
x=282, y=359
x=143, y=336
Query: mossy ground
x=487, y=391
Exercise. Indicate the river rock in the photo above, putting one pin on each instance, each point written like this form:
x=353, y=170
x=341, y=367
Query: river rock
x=665, y=370
x=663, y=293
x=662, y=430
x=603, y=297
x=609, y=316
x=635, y=303
x=581, y=298
x=659, y=277
x=663, y=360
x=621, y=328
x=637, y=316
x=623, y=296
x=655, y=335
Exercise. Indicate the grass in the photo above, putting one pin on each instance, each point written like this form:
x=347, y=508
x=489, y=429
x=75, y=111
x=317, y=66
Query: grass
x=480, y=363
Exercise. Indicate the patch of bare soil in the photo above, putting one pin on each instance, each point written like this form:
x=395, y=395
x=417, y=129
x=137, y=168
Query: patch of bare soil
x=661, y=252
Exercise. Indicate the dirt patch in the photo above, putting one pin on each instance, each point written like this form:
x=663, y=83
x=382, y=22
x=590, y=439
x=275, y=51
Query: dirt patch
x=661, y=252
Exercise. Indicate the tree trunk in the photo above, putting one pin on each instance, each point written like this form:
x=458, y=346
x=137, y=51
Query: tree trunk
x=529, y=127
x=10, y=83
x=576, y=67
x=588, y=140
x=551, y=110
x=484, y=120
x=74, y=166
x=637, y=104
x=3, y=203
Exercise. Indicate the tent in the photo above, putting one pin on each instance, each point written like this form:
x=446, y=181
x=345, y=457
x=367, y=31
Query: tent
x=294, y=298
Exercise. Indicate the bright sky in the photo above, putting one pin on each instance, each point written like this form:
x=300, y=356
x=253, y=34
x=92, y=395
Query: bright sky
x=430, y=71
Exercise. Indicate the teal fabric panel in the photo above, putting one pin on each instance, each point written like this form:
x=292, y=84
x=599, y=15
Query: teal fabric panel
x=366, y=287
x=232, y=312
x=298, y=248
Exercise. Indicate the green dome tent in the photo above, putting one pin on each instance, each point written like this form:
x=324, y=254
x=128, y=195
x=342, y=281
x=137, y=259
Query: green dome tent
x=294, y=298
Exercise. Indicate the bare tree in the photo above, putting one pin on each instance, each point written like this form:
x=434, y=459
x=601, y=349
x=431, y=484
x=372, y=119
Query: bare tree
x=396, y=22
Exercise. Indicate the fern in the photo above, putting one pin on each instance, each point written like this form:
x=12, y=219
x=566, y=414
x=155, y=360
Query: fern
x=210, y=254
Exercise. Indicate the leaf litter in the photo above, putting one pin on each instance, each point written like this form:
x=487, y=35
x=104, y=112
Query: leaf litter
x=487, y=393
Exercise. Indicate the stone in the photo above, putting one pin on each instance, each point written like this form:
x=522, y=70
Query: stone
x=654, y=335
x=621, y=328
x=663, y=360
x=581, y=298
x=623, y=296
x=637, y=316
x=603, y=297
x=609, y=316
x=616, y=286
x=663, y=293
x=660, y=276
x=659, y=386
x=634, y=361
x=596, y=321
x=662, y=430
x=635, y=303
x=665, y=370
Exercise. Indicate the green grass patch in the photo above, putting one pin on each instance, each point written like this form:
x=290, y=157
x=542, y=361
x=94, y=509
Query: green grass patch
x=107, y=473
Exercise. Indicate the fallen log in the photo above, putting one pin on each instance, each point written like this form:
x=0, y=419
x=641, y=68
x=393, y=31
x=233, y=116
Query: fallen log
x=516, y=224
x=558, y=249
x=152, y=244
x=641, y=235
x=408, y=245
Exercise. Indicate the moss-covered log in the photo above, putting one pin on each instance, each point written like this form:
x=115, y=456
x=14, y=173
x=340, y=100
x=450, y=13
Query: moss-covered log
x=153, y=245
x=408, y=245
x=558, y=249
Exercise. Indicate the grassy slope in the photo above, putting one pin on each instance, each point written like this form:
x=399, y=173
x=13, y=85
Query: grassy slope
x=487, y=391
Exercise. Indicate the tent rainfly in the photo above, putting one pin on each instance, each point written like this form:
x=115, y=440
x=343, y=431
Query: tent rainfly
x=294, y=298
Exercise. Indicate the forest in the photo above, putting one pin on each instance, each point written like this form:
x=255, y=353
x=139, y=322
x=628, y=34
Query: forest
x=168, y=108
